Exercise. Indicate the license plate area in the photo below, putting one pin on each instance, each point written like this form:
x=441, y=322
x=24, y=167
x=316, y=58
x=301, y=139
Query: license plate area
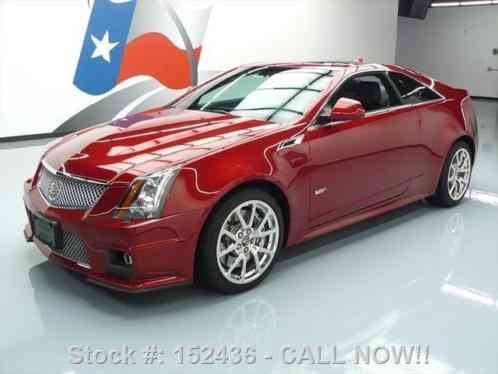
x=47, y=231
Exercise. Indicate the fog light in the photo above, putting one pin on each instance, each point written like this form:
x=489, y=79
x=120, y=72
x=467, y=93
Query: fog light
x=128, y=260
x=120, y=264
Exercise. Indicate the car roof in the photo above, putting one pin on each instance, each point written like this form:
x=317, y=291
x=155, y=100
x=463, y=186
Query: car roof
x=347, y=66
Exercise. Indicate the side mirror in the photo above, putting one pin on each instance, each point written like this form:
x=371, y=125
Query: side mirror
x=347, y=110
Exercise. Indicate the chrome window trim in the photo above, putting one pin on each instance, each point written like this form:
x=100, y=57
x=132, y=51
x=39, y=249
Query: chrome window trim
x=402, y=106
x=441, y=96
x=384, y=111
x=431, y=87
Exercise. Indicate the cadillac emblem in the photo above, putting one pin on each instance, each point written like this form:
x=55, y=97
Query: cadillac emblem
x=53, y=191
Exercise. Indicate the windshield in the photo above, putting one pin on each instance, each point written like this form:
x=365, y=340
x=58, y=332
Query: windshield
x=277, y=94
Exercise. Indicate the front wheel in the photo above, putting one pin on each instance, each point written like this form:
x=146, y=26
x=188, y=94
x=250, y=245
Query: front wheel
x=455, y=177
x=241, y=241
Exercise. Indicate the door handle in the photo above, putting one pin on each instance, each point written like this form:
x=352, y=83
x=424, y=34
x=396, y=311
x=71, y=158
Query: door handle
x=491, y=69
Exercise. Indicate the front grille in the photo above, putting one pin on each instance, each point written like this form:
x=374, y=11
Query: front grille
x=73, y=248
x=63, y=191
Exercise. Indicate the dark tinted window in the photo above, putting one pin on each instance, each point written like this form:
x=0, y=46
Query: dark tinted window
x=411, y=91
x=370, y=90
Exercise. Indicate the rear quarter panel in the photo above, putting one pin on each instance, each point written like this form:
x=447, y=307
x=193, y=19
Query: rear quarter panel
x=442, y=125
x=470, y=119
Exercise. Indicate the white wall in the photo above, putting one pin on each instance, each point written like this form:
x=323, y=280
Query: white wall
x=290, y=30
x=40, y=42
x=453, y=45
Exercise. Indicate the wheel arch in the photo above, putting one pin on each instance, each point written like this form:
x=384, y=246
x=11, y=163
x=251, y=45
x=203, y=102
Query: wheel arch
x=467, y=139
x=264, y=184
x=470, y=142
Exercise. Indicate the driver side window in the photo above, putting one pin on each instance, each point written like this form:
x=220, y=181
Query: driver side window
x=372, y=90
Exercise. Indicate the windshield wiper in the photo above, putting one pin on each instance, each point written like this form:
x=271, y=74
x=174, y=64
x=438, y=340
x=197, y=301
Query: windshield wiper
x=216, y=110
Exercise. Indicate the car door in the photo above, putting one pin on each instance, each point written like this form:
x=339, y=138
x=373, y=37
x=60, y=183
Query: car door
x=358, y=164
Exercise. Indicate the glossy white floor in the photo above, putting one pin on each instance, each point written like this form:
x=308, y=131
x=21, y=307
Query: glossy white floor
x=418, y=276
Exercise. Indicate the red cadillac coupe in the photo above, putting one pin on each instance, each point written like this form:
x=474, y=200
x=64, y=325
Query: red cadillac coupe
x=212, y=186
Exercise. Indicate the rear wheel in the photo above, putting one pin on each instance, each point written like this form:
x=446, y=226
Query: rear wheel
x=241, y=241
x=455, y=177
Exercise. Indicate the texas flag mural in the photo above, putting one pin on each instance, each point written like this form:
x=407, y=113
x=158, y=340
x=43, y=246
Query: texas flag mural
x=127, y=38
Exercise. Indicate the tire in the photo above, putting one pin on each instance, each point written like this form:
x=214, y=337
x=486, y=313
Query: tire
x=226, y=244
x=449, y=192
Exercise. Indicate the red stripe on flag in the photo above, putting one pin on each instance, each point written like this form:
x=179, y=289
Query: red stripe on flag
x=153, y=54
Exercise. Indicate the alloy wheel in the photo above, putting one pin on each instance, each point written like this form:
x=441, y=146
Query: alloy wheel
x=247, y=242
x=459, y=174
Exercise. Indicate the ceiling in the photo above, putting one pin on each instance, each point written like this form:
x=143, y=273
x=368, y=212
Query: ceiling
x=419, y=8
x=470, y=2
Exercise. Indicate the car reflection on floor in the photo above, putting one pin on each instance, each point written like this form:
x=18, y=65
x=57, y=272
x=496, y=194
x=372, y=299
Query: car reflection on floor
x=329, y=304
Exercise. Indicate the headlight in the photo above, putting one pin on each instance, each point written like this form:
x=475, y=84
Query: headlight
x=147, y=195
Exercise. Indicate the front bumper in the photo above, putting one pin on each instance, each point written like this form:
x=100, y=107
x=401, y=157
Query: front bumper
x=163, y=250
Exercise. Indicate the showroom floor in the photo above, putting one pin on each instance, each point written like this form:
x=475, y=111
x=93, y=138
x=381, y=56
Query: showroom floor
x=418, y=276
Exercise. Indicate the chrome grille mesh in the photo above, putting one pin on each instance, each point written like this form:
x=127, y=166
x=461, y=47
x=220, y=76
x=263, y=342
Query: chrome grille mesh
x=73, y=248
x=63, y=191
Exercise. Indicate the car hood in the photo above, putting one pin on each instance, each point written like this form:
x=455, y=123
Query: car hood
x=148, y=141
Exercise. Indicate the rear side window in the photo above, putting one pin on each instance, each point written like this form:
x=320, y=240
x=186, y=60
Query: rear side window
x=411, y=91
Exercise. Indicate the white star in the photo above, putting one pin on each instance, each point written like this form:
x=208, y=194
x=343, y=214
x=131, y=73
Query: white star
x=103, y=47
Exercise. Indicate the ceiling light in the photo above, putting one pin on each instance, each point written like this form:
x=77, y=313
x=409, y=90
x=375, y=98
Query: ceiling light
x=476, y=2
x=448, y=4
